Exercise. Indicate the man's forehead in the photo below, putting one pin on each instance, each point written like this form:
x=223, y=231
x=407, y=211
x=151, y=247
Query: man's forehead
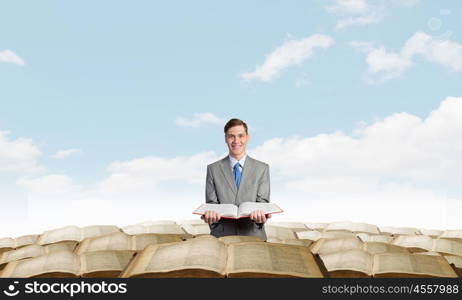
x=236, y=130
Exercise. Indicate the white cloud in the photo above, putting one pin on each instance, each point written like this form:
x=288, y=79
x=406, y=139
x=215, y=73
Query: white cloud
x=48, y=184
x=292, y=52
x=8, y=56
x=363, y=12
x=398, y=205
x=443, y=52
x=355, y=12
x=19, y=155
x=65, y=153
x=148, y=172
x=386, y=65
x=402, y=170
x=199, y=119
x=382, y=64
x=349, y=7
x=389, y=169
x=401, y=147
x=371, y=18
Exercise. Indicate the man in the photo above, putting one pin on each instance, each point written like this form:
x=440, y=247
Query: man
x=235, y=179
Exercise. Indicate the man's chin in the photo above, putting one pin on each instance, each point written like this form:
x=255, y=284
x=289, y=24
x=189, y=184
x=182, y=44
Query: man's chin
x=236, y=153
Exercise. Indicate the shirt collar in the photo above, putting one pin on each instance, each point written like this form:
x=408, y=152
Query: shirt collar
x=234, y=161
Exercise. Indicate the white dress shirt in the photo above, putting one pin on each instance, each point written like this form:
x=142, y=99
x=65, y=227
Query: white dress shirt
x=234, y=161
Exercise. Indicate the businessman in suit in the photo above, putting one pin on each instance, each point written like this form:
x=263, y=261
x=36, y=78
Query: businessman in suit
x=235, y=179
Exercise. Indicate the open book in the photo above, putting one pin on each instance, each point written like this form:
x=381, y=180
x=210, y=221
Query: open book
x=74, y=233
x=7, y=244
x=315, y=235
x=327, y=246
x=360, y=263
x=352, y=227
x=422, y=243
x=35, y=250
x=276, y=234
x=164, y=227
x=122, y=241
x=207, y=256
x=456, y=263
x=452, y=234
x=231, y=211
x=67, y=264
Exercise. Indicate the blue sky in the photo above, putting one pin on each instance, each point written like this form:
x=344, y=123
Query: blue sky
x=113, y=79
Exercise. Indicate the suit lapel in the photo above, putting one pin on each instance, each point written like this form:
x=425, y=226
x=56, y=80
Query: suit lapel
x=226, y=170
x=247, y=174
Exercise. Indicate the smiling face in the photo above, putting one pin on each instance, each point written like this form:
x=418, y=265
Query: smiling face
x=236, y=138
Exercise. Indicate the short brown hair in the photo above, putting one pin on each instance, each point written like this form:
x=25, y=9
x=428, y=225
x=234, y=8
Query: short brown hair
x=235, y=122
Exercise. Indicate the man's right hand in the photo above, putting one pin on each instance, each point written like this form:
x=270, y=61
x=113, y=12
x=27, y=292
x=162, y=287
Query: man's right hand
x=211, y=216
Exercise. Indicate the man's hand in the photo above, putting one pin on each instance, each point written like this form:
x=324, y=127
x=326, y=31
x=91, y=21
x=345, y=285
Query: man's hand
x=211, y=216
x=259, y=217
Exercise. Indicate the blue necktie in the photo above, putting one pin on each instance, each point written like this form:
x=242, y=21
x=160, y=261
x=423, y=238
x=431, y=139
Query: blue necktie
x=237, y=174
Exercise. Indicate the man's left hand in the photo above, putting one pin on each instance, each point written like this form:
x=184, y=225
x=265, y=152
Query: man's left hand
x=259, y=216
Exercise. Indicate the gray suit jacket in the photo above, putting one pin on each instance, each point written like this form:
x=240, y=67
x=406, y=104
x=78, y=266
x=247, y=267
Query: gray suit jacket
x=220, y=188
